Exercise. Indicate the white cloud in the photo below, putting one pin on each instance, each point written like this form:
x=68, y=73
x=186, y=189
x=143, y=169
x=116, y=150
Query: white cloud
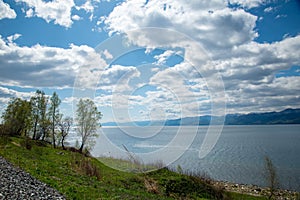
x=162, y=58
x=107, y=55
x=280, y=16
x=87, y=6
x=14, y=37
x=6, y=93
x=41, y=66
x=29, y=13
x=227, y=35
x=56, y=10
x=6, y=11
x=76, y=17
x=117, y=77
x=211, y=23
x=248, y=3
x=268, y=9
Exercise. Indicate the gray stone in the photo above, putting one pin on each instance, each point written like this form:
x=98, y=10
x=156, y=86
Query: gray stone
x=17, y=184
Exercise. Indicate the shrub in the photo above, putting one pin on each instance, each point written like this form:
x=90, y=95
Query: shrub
x=84, y=165
x=26, y=143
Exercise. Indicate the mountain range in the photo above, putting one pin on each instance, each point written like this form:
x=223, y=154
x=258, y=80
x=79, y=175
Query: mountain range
x=288, y=116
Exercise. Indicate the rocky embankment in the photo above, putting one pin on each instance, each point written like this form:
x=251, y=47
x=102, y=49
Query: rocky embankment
x=256, y=190
x=17, y=184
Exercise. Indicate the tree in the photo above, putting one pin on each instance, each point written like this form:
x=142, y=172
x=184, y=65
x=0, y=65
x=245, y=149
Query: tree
x=38, y=113
x=87, y=121
x=54, y=114
x=271, y=176
x=16, y=117
x=64, y=126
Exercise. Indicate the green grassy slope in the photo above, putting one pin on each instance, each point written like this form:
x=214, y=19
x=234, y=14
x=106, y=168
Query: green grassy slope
x=80, y=177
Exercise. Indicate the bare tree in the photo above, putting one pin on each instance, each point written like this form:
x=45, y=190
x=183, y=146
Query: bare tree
x=271, y=176
x=87, y=121
x=64, y=126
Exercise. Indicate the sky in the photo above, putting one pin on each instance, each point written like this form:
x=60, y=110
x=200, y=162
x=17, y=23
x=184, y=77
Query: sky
x=153, y=59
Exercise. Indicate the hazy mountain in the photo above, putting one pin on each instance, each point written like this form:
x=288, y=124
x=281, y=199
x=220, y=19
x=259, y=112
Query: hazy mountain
x=288, y=116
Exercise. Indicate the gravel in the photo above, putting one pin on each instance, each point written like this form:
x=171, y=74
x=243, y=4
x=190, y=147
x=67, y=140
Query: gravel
x=17, y=184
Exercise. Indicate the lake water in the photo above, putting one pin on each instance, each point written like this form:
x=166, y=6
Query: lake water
x=238, y=155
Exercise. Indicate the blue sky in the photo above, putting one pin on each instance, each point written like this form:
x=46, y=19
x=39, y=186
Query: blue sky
x=153, y=60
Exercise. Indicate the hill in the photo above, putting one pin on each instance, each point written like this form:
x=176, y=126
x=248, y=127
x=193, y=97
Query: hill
x=77, y=176
x=288, y=116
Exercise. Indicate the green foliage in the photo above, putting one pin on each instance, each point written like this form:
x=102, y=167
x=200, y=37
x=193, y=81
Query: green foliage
x=186, y=186
x=80, y=177
x=87, y=121
x=16, y=117
x=39, y=115
x=54, y=116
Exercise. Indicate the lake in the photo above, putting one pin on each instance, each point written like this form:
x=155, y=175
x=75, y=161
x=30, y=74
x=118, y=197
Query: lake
x=238, y=155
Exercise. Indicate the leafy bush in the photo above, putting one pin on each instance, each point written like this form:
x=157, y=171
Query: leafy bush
x=26, y=143
x=186, y=186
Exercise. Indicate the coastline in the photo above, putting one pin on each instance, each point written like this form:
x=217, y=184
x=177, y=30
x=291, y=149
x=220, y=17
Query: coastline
x=254, y=190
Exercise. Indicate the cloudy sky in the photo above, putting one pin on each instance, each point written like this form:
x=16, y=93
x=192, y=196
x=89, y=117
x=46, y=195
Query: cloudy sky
x=153, y=59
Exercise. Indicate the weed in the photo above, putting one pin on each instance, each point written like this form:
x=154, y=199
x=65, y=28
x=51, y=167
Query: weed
x=85, y=166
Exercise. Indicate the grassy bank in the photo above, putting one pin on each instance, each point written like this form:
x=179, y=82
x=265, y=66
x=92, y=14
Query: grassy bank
x=80, y=177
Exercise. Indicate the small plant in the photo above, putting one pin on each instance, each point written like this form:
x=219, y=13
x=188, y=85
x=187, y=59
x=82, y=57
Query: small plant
x=151, y=185
x=85, y=166
x=137, y=164
x=179, y=169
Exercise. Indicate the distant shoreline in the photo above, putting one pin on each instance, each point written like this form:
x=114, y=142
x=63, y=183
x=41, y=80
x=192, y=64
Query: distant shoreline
x=287, y=116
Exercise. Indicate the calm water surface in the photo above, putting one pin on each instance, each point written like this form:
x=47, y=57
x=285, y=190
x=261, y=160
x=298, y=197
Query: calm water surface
x=238, y=156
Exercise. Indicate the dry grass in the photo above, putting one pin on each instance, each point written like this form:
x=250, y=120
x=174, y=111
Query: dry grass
x=85, y=166
x=151, y=185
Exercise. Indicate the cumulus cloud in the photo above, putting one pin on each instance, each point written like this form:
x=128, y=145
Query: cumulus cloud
x=87, y=7
x=117, y=77
x=14, y=37
x=42, y=66
x=211, y=23
x=57, y=11
x=214, y=38
x=227, y=37
x=6, y=11
x=6, y=93
x=248, y=3
x=76, y=17
x=162, y=58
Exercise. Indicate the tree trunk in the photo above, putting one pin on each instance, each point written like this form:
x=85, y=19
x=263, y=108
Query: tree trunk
x=81, y=147
x=62, y=140
x=34, y=130
x=53, y=138
x=44, y=134
x=53, y=127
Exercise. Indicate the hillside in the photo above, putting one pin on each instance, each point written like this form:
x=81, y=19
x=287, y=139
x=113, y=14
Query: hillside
x=79, y=177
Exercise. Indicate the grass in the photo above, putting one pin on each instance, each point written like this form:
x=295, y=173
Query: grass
x=80, y=177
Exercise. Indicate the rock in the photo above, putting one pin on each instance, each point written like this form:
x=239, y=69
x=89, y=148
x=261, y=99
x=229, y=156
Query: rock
x=17, y=184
